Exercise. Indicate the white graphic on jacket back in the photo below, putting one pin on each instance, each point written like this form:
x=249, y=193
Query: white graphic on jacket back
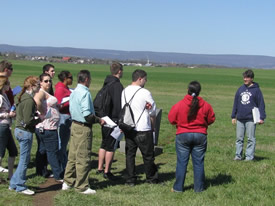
x=245, y=97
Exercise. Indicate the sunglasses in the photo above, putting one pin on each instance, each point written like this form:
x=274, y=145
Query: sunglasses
x=71, y=77
x=46, y=81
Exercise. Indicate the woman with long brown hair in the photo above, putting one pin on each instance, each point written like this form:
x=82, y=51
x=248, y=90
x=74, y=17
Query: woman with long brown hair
x=191, y=115
x=26, y=119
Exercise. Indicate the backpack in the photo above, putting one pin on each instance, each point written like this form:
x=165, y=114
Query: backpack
x=102, y=101
x=126, y=120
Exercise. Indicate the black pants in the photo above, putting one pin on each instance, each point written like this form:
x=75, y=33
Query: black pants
x=143, y=141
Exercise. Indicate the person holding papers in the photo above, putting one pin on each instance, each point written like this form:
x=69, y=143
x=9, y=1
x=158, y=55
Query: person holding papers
x=106, y=151
x=62, y=92
x=247, y=97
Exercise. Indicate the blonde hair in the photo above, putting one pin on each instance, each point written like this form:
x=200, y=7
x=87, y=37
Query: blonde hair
x=29, y=82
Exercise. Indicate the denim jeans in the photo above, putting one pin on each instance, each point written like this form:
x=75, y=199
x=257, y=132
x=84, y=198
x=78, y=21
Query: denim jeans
x=49, y=145
x=18, y=179
x=64, y=134
x=194, y=144
x=143, y=141
x=41, y=161
x=249, y=128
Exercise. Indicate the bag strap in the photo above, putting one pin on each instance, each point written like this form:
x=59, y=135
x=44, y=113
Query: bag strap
x=140, y=115
x=132, y=96
x=131, y=100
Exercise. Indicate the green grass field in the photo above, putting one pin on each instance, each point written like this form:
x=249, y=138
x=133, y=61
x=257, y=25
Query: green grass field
x=227, y=182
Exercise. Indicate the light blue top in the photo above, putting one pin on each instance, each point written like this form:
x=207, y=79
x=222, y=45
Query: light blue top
x=81, y=103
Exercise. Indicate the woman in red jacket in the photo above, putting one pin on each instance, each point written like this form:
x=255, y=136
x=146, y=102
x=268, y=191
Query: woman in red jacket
x=62, y=91
x=191, y=115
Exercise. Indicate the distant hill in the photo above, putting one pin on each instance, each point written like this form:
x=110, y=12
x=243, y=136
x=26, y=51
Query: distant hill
x=252, y=61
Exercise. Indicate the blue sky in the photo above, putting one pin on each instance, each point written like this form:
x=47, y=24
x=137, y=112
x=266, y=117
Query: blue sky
x=193, y=26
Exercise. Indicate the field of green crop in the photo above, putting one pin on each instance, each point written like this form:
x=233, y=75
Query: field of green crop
x=227, y=182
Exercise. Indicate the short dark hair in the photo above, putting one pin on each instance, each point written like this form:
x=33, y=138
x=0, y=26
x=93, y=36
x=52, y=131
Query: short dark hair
x=115, y=67
x=47, y=67
x=249, y=74
x=138, y=73
x=63, y=75
x=41, y=77
x=5, y=64
x=83, y=75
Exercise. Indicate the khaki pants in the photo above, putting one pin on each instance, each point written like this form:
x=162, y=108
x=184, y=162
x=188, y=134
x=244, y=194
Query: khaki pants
x=78, y=166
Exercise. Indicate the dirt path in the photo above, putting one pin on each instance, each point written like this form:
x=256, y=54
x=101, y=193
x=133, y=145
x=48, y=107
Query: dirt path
x=45, y=193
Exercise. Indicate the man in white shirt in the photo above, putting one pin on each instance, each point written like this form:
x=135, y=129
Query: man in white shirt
x=144, y=109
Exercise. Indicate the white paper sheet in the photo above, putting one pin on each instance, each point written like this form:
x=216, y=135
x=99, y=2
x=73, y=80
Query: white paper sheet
x=256, y=115
x=64, y=100
x=109, y=122
x=117, y=134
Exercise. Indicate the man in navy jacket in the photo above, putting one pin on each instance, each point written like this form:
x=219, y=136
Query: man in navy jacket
x=247, y=97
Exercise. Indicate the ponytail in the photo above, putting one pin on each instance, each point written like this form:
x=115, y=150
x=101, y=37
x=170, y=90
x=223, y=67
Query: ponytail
x=194, y=89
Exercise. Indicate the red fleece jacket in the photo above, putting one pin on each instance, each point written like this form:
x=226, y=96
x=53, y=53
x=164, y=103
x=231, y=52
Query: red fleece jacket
x=179, y=112
x=61, y=91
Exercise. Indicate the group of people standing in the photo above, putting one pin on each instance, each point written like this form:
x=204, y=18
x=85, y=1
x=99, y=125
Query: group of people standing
x=45, y=112
x=39, y=110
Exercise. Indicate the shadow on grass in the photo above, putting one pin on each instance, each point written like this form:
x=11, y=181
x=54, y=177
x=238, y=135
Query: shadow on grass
x=220, y=179
x=54, y=187
x=120, y=178
x=258, y=158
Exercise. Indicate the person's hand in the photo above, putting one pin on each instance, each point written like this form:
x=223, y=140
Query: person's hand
x=102, y=122
x=12, y=114
x=148, y=105
x=261, y=121
x=234, y=121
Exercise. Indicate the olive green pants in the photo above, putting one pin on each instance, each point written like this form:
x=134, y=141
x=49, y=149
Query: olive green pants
x=78, y=165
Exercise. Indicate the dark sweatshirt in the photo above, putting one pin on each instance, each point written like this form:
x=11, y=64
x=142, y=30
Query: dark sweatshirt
x=115, y=91
x=25, y=114
x=246, y=99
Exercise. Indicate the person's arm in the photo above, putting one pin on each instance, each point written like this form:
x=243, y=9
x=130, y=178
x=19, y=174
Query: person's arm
x=172, y=115
x=234, y=109
x=38, y=98
x=29, y=119
x=115, y=93
x=211, y=115
x=60, y=93
x=261, y=106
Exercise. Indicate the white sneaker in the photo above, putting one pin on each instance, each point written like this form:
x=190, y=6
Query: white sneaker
x=27, y=192
x=10, y=188
x=61, y=181
x=65, y=186
x=2, y=169
x=89, y=191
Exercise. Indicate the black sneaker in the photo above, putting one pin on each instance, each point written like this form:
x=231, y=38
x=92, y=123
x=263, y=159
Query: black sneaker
x=109, y=176
x=98, y=172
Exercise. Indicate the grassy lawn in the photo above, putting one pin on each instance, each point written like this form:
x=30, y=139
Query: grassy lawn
x=227, y=182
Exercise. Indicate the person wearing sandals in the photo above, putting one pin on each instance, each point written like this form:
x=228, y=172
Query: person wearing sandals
x=26, y=119
x=6, y=115
x=46, y=131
